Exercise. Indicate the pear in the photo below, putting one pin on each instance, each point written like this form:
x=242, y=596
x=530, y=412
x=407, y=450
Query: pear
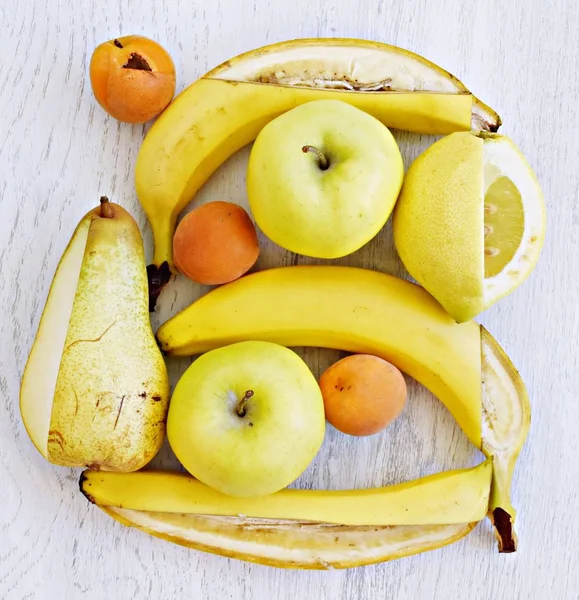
x=95, y=390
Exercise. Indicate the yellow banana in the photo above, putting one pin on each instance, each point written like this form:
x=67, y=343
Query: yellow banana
x=450, y=497
x=225, y=110
x=377, y=524
x=364, y=311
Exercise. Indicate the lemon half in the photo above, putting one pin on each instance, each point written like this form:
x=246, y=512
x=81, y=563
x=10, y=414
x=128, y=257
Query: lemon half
x=470, y=221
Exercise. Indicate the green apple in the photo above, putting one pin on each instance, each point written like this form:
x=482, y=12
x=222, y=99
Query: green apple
x=247, y=419
x=323, y=178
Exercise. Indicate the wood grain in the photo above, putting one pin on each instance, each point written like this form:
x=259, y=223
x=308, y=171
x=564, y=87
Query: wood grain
x=59, y=152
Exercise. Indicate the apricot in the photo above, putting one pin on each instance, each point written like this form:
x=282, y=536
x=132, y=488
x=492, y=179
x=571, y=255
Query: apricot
x=362, y=394
x=215, y=243
x=132, y=78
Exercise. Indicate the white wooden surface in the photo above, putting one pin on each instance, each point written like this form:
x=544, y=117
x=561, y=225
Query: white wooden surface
x=59, y=152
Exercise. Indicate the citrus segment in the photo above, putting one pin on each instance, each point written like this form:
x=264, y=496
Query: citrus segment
x=504, y=222
x=516, y=215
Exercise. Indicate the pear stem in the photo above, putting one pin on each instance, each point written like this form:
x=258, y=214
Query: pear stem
x=322, y=160
x=241, y=406
x=107, y=211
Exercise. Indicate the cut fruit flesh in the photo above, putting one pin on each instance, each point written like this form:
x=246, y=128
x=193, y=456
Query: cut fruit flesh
x=37, y=393
x=514, y=217
x=445, y=498
x=504, y=224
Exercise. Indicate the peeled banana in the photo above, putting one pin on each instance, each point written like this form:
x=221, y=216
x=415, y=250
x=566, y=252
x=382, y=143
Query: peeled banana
x=226, y=109
x=368, y=312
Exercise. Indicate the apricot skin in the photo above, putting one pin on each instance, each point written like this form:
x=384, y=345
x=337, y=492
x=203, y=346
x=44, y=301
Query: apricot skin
x=362, y=394
x=215, y=243
x=133, y=78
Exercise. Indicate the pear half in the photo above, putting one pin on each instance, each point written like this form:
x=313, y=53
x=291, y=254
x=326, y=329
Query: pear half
x=95, y=390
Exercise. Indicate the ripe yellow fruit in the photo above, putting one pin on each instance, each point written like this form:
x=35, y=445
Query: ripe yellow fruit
x=470, y=221
x=323, y=178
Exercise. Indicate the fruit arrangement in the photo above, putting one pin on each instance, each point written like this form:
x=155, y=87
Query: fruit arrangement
x=248, y=416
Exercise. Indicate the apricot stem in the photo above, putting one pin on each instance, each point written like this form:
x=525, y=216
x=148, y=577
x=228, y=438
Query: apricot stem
x=241, y=406
x=322, y=160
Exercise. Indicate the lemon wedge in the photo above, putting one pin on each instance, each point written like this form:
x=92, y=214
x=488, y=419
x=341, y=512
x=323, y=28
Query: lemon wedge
x=514, y=217
x=470, y=221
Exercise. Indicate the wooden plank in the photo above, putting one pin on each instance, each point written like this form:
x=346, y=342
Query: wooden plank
x=59, y=152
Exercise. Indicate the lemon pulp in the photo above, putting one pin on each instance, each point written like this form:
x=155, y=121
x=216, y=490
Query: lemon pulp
x=504, y=224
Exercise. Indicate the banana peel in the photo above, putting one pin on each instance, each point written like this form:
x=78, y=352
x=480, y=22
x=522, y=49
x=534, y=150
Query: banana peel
x=227, y=108
x=506, y=418
x=292, y=545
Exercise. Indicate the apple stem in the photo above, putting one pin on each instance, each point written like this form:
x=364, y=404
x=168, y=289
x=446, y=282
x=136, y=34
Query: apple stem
x=323, y=161
x=241, y=405
x=107, y=211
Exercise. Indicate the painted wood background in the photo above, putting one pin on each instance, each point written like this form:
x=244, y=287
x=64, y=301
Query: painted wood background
x=59, y=152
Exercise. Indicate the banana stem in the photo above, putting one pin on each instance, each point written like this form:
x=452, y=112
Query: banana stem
x=241, y=406
x=322, y=160
x=158, y=278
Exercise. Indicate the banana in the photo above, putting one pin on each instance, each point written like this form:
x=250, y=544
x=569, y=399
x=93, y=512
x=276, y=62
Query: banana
x=446, y=498
x=364, y=311
x=376, y=523
x=226, y=109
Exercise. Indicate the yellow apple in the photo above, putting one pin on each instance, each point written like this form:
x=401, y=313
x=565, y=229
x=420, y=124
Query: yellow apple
x=323, y=178
x=247, y=419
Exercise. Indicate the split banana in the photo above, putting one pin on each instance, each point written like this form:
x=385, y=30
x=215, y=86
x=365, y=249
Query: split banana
x=369, y=312
x=226, y=109
x=298, y=528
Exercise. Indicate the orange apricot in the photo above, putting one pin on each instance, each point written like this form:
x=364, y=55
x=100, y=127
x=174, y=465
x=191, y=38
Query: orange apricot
x=215, y=243
x=362, y=394
x=133, y=78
